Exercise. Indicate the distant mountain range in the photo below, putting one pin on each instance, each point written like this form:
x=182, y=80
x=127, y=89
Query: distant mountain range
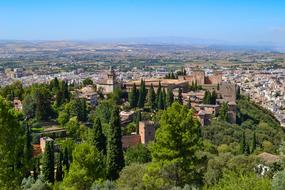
x=172, y=40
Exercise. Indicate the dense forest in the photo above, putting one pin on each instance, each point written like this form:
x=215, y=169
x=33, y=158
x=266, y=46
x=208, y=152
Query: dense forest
x=183, y=156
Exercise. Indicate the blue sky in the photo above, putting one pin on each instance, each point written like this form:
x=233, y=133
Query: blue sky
x=237, y=21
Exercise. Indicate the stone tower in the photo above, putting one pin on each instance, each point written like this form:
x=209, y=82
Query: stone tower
x=146, y=131
x=111, y=76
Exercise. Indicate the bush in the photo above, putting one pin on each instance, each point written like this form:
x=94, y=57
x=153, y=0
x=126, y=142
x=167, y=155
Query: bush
x=137, y=154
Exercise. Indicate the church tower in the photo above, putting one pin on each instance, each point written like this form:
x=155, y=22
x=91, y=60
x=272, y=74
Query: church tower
x=111, y=76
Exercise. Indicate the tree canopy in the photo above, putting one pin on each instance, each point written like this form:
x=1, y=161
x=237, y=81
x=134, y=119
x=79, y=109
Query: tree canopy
x=177, y=142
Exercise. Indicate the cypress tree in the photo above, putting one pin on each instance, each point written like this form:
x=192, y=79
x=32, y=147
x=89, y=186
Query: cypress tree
x=142, y=94
x=172, y=75
x=98, y=138
x=238, y=93
x=253, y=148
x=207, y=97
x=195, y=85
x=48, y=162
x=54, y=85
x=246, y=149
x=243, y=144
x=192, y=87
x=160, y=104
x=151, y=97
x=169, y=98
x=223, y=113
x=84, y=110
x=59, y=98
x=36, y=169
x=213, y=98
x=59, y=171
x=115, y=156
x=164, y=98
x=28, y=149
x=66, y=92
x=158, y=92
x=66, y=161
x=138, y=119
x=180, y=97
x=189, y=103
x=133, y=97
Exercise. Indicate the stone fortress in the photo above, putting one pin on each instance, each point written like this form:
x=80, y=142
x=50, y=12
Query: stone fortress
x=226, y=92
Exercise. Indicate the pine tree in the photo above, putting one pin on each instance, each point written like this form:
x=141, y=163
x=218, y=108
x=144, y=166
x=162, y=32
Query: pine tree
x=253, y=148
x=59, y=171
x=115, y=156
x=142, y=94
x=169, y=98
x=11, y=147
x=133, y=97
x=180, y=97
x=48, y=162
x=174, y=154
x=151, y=97
x=98, y=138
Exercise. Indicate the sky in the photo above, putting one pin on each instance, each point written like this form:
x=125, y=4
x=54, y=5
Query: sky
x=234, y=21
